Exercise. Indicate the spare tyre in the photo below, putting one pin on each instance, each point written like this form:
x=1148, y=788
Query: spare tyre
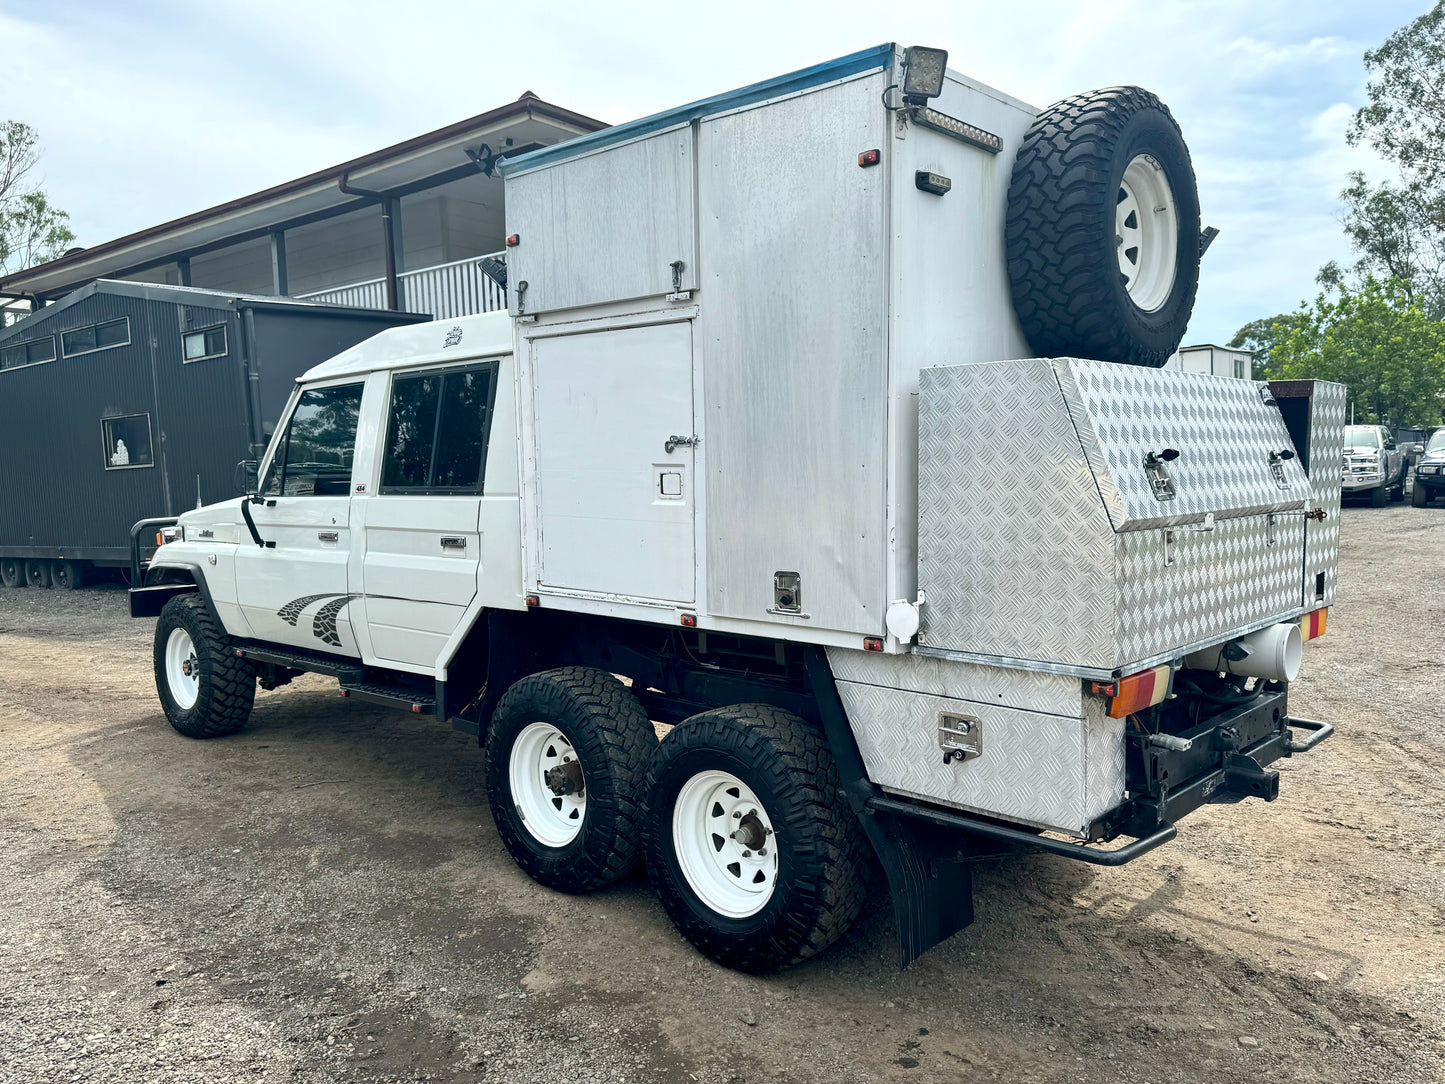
x=1102, y=235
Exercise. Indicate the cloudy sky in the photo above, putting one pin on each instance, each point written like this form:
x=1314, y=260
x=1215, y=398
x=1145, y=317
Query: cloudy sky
x=151, y=110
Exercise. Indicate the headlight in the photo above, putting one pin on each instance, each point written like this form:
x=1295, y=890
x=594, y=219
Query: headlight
x=170, y=534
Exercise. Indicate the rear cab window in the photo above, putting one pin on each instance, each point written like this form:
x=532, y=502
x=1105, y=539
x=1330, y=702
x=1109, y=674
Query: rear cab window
x=437, y=425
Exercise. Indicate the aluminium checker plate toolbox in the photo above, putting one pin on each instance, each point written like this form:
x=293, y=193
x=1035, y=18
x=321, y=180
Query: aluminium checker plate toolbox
x=1085, y=517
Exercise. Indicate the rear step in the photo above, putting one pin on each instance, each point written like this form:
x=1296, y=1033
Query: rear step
x=348, y=671
x=393, y=696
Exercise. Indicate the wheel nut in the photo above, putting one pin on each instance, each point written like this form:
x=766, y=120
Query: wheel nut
x=747, y=854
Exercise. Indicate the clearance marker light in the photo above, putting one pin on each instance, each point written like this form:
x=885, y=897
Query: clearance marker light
x=870, y=158
x=872, y=643
x=1138, y=691
x=1312, y=624
x=689, y=621
x=533, y=602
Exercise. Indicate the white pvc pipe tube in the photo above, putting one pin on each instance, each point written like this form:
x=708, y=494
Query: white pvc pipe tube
x=1274, y=654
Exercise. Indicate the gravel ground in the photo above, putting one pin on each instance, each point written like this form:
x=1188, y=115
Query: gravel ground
x=323, y=898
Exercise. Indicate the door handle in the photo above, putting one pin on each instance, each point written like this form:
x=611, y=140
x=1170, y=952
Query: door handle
x=328, y=536
x=453, y=542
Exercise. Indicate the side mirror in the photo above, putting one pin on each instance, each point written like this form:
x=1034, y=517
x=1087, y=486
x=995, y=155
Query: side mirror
x=247, y=478
x=1417, y=449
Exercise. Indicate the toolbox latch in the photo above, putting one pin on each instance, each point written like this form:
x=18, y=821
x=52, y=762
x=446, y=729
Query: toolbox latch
x=959, y=736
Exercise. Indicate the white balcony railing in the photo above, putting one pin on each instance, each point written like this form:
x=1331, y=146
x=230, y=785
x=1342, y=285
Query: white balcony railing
x=446, y=291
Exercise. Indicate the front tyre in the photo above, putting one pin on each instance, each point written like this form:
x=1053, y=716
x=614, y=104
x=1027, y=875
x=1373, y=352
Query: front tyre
x=1419, y=496
x=205, y=689
x=1380, y=496
x=755, y=856
x=567, y=754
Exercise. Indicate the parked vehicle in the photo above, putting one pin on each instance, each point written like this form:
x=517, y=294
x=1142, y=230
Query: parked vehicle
x=743, y=460
x=1430, y=471
x=1373, y=464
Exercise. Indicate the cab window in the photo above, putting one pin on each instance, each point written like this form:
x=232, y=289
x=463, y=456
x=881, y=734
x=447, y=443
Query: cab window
x=315, y=454
x=436, y=431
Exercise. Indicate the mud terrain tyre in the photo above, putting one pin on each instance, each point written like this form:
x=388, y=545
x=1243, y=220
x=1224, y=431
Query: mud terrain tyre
x=1102, y=233
x=205, y=690
x=566, y=760
x=725, y=783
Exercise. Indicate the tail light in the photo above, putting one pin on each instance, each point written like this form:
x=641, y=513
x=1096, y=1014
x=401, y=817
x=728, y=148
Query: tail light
x=1136, y=692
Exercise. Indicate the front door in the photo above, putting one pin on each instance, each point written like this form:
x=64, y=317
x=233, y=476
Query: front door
x=420, y=531
x=615, y=461
x=296, y=592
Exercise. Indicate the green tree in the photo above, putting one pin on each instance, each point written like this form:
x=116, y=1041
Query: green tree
x=1259, y=337
x=31, y=229
x=1377, y=341
x=1397, y=227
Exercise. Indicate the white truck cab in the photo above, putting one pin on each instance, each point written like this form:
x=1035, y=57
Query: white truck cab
x=823, y=430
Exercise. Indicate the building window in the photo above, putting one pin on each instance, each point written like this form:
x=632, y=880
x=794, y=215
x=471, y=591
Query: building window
x=127, y=441
x=1239, y=367
x=437, y=427
x=87, y=340
x=30, y=352
x=205, y=344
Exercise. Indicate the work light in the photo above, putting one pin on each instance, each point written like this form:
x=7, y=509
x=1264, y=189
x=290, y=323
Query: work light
x=923, y=70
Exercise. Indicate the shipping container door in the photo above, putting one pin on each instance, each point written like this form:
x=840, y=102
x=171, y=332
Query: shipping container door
x=616, y=492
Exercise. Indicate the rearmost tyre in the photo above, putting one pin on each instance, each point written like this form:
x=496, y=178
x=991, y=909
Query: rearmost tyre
x=755, y=856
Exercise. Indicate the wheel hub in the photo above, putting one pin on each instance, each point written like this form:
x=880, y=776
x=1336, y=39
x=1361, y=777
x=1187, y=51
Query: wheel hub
x=549, y=788
x=722, y=837
x=564, y=778
x=1146, y=233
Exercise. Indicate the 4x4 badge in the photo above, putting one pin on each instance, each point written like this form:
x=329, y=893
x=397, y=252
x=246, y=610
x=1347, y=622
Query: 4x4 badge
x=454, y=336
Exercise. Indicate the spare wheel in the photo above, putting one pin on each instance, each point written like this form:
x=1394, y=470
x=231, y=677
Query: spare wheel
x=1103, y=237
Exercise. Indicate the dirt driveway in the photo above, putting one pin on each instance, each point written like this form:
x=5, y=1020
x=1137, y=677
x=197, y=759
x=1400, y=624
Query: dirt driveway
x=323, y=897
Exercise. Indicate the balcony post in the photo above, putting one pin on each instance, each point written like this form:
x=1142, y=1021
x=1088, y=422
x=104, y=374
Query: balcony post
x=279, y=284
x=391, y=225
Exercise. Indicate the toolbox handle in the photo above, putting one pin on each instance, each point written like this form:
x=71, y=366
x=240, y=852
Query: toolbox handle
x=1318, y=732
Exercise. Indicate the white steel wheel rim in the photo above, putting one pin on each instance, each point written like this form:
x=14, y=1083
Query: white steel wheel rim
x=553, y=819
x=183, y=674
x=725, y=844
x=1146, y=233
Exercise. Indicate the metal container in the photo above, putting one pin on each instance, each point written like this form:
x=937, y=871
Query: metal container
x=1090, y=518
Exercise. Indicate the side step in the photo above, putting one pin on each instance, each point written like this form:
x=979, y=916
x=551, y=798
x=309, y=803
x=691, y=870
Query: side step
x=393, y=696
x=348, y=671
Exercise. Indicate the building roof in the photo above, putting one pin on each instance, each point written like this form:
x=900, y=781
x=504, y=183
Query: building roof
x=416, y=163
x=436, y=342
x=190, y=295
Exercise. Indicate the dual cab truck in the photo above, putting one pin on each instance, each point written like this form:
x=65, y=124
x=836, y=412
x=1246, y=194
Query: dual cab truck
x=825, y=426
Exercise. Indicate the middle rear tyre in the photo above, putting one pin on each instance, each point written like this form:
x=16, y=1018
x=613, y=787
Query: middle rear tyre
x=567, y=754
x=755, y=856
x=37, y=573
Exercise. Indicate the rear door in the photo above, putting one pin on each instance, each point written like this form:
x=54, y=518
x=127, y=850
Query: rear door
x=422, y=545
x=295, y=591
x=614, y=435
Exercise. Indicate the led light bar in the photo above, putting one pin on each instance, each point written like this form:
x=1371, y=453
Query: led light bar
x=968, y=133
